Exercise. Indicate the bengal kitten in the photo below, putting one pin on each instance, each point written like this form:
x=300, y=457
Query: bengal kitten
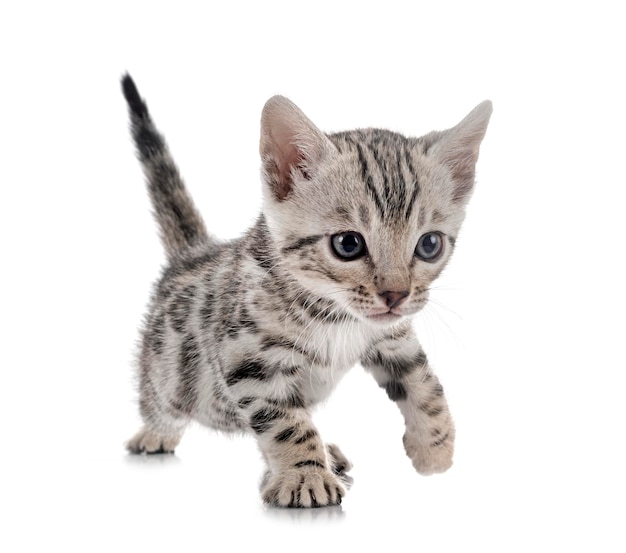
x=250, y=334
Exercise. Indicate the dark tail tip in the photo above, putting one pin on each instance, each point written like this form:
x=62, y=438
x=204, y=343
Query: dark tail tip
x=135, y=103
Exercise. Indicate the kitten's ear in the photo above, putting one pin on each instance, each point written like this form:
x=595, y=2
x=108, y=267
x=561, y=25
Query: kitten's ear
x=291, y=145
x=458, y=148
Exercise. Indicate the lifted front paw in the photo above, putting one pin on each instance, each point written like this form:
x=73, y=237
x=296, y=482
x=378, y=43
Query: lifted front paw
x=433, y=457
x=302, y=487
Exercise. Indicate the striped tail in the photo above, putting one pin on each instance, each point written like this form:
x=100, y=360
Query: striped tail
x=180, y=224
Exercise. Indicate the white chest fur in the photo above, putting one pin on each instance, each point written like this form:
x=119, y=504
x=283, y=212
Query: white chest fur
x=339, y=348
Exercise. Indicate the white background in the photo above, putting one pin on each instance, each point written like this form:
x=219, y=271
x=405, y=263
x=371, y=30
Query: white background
x=526, y=326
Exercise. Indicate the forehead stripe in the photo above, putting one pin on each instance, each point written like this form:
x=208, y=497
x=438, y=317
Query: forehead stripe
x=367, y=177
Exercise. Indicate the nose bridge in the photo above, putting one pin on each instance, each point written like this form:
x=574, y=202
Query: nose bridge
x=392, y=273
x=393, y=282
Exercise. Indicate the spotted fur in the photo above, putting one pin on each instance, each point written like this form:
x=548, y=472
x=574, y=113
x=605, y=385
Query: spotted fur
x=248, y=335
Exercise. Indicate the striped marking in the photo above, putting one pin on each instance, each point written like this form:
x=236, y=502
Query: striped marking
x=440, y=441
x=308, y=435
x=247, y=370
x=303, y=243
x=309, y=463
x=189, y=362
x=396, y=390
x=262, y=420
x=286, y=434
x=387, y=169
x=395, y=367
x=367, y=178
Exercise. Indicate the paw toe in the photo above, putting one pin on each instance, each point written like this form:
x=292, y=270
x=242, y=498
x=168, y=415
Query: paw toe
x=308, y=489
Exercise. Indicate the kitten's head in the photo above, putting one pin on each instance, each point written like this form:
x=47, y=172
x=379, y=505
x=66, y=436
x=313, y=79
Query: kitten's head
x=366, y=218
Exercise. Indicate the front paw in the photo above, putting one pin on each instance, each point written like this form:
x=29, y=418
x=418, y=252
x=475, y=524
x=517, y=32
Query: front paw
x=302, y=487
x=431, y=457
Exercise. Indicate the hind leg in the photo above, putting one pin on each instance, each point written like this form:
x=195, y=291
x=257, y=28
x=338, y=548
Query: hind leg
x=163, y=427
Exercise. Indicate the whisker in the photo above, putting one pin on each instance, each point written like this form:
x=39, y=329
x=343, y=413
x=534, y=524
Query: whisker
x=443, y=306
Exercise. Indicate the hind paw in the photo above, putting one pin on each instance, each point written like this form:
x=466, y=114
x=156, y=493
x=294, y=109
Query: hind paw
x=339, y=462
x=147, y=441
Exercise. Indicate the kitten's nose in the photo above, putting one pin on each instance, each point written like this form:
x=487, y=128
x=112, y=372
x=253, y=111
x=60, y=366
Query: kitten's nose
x=394, y=299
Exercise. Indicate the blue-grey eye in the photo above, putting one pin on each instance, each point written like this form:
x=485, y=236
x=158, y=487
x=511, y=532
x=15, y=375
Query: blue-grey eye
x=429, y=246
x=348, y=245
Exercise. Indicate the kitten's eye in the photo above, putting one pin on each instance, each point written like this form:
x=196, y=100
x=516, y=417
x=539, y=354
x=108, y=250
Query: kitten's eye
x=348, y=245
x=429, y=246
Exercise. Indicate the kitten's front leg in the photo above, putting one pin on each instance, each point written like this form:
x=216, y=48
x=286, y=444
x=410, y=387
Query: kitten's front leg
x=399, y=365
x=302, y=471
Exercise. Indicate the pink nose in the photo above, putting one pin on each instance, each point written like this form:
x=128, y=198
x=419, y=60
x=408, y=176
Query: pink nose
x=393, y=299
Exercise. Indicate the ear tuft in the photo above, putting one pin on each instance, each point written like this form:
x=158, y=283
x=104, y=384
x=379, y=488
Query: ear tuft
x=291, y=145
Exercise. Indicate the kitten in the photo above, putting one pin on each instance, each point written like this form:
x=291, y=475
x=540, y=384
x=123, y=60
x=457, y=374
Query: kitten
x=250, y=334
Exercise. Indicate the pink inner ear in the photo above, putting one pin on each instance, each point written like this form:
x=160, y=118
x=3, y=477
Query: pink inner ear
x=290, y=157
x=284, y=157
x=289, y=141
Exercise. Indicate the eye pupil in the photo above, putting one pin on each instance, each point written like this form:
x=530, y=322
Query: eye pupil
x=429, y=246
x=429, y=243
x=348, y=245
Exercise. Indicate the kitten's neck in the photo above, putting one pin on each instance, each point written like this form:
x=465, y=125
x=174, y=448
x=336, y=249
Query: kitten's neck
x=288, y=303
x=282, y=287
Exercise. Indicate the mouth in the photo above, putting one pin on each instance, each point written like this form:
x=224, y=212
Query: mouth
x=385, y=316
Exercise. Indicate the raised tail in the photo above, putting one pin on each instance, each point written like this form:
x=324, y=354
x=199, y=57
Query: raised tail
x=180, y=224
